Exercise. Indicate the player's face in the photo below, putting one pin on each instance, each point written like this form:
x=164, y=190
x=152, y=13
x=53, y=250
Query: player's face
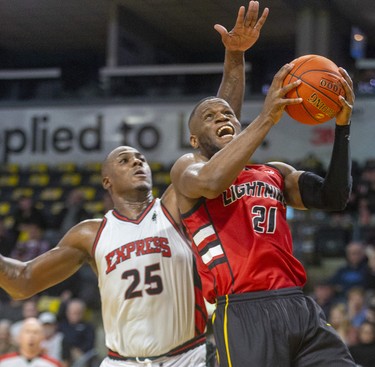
x=214, y=126
x=127, y=169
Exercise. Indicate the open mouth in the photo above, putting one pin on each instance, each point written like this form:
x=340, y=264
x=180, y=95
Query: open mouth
x=139, y=172
x=226, y=130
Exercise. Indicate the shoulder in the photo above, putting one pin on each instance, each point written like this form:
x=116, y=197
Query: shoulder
x=186, y=161
x=284, y=168
x=82, y=234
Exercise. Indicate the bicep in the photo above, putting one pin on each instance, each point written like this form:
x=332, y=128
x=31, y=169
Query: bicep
x=186, y=178
x=292, y=192
x=59, y=263
x=24, y=279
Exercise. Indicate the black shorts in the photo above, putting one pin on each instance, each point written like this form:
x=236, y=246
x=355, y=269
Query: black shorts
x=281, y=328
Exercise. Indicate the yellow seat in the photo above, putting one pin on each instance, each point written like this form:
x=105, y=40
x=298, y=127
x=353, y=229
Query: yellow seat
x=9, y=180
x=10, y=168
x=156, y=166
x=95, y=179
x=162, y=178
x=5, y=208
x=94, y=207
x=88, y=192
x=92, y=167
x=38, y=167
x=51, y=194
x=22, y=191
x=66, y=167
x=71, y=179
x=56, y=207
x=39, y=179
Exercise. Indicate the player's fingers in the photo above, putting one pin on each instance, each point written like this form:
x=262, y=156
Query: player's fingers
x=262, y=19
x=346, y=76
x=283, y=72
x=290, y=101
x=252, y=14
x=287, y=88
x=222, y=30
x=240, y=17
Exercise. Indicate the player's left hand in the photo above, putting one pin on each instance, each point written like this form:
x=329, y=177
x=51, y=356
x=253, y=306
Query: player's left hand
x=347, y=102
x=247, y=29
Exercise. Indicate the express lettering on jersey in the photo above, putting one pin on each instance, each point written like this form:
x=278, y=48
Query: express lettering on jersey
x=148, y=245
x=254, y=189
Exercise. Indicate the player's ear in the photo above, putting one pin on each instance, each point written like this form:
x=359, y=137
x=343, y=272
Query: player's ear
x=194, y=141
x=106, y=183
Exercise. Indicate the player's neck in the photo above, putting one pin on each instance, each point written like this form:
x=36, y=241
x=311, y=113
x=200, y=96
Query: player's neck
x=133, y=207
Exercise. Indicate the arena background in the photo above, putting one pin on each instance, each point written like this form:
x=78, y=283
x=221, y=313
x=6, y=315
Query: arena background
x=78, y=77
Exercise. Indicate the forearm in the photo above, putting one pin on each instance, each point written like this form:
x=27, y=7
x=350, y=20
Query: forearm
x=12, y=277
x=232, y=87
x=223, y=167
x=331, y=193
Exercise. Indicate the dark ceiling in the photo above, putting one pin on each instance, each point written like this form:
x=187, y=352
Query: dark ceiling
x=53, y=27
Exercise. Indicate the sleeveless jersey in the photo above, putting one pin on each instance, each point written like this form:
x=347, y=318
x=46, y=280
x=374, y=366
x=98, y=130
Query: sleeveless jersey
x=242, y=239
x=16, y=360
x=152, y=303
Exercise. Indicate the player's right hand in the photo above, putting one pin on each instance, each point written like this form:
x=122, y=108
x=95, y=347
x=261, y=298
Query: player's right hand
x=275, y=102
x=247, y=29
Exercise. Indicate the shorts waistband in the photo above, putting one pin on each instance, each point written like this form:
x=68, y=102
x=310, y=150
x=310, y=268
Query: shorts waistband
x=251, y=296
x=183, y=348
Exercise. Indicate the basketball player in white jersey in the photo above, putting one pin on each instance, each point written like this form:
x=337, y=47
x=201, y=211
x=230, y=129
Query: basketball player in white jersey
x=152, y=308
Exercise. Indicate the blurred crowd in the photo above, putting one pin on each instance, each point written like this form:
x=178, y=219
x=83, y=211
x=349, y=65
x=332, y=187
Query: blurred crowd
x=68, y=312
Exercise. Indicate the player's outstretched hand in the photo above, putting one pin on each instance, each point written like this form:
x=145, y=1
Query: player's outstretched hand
x=247, y=29
x=347, y=102
x=275, y=102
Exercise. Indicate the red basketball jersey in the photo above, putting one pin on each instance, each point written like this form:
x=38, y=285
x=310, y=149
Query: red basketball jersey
x=242, y=239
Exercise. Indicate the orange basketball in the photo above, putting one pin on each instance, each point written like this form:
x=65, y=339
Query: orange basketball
x=320, y=89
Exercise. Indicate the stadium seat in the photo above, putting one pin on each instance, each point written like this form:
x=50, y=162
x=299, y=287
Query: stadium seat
x=11, y=180
x=71, y=179
x=39, y=179
x=5, y=207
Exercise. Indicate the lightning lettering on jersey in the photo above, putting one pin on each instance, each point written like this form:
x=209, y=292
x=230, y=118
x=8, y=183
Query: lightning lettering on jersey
x=255, y=189
x=149, y=245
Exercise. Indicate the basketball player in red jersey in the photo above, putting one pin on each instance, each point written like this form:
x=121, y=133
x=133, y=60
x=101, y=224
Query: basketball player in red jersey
x=152, y=308
x=235, y=213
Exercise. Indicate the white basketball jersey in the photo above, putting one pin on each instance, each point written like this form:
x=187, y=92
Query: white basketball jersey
x=146, y=282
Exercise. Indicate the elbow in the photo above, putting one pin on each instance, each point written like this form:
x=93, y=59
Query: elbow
x=21, y=293
x=212, y=188
x=339, y=201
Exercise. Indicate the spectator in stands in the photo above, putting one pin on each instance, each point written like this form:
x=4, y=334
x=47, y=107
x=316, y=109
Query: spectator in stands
x=339, y=319
x=29, y=309
x=6, y=342
x=26, y=212
x=33, y=245
x=356, y=306
x=369, y=283
x=312, y=163
x=7, y=239
x=324, y=295
x=353, y=273
x=73, y=211
x=30, y=350
x=53, y=342
x=363, y=352
x=79, y=335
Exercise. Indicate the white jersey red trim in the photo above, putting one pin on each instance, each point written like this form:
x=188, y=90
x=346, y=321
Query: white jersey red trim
x=151, y=300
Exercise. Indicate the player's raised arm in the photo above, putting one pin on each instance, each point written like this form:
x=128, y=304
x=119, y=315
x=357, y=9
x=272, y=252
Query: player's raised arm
x=242, y=37
x=22, y=280
x=223, y=149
